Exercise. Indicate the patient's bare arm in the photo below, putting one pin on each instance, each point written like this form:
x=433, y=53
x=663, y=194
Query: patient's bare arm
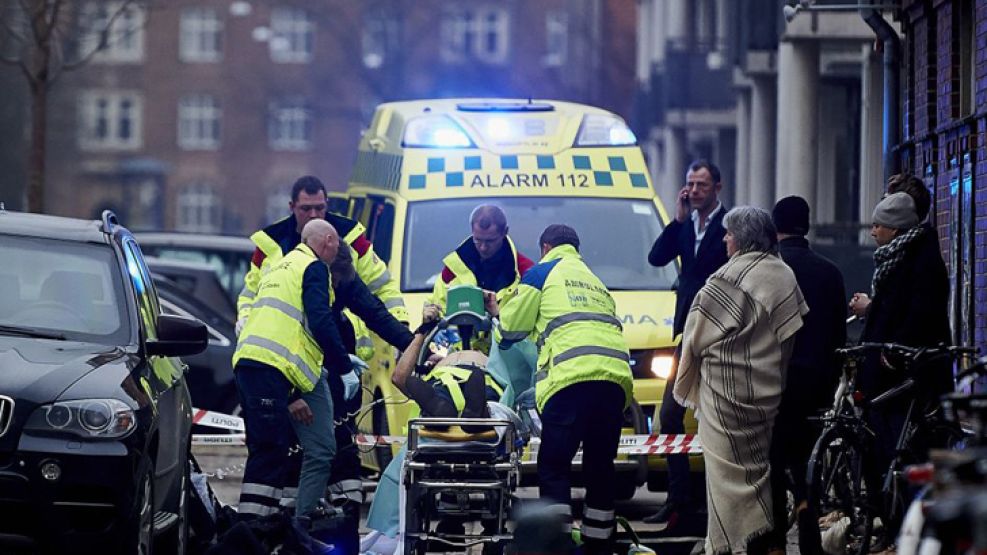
x=406, y=364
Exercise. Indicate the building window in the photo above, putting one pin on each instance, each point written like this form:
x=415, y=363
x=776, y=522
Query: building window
x=379, y=38
x=198, y=122
x=276, y=206
x=123, y=25
x=110, y=120
x=199, y=209
x=481, y=34
x=556, y=38
x=292, y=36
x=200, y=35
x=289, y=125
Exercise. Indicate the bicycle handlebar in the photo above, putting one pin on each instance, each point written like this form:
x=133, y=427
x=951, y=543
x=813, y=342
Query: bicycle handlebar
x=913, y=353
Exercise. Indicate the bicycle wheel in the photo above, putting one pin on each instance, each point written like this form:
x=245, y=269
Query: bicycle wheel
x=836, y=484
x=928, y=434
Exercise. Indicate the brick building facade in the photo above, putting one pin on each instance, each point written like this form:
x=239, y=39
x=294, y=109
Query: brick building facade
x=944, y=98
x=201, y=116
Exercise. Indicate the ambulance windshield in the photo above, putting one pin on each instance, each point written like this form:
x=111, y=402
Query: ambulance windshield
x=615, y=237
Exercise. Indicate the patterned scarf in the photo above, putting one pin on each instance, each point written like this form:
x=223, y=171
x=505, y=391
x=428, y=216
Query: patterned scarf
x=889, y=257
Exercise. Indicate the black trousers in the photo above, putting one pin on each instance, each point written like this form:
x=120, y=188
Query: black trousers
x=792, y=441
x=671, y=418
x=588, y=414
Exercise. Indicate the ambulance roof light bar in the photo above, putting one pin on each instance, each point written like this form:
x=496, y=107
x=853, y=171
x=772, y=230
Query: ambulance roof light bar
x=505, y=106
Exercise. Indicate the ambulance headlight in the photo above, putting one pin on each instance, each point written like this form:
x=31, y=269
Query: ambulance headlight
x=661, y=366
x=435, y=131
x=604, y=130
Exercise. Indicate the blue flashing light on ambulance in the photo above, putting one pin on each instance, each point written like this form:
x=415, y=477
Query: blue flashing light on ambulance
x=422, y=166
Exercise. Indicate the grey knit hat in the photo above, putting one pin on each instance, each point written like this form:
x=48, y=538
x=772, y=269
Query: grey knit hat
x=896, y=211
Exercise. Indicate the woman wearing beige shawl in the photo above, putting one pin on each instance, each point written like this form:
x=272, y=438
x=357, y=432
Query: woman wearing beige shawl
x=735, y=347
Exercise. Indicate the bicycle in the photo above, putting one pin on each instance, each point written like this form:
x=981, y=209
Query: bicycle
x=947, y=515
x=840, y=474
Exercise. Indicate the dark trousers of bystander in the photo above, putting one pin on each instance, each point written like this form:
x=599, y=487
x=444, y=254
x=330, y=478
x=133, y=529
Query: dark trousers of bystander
x=588, y=414
x=792, y=441
x=671, y=418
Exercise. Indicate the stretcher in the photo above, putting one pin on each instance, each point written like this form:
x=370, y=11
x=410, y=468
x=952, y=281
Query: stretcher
x=452, y=477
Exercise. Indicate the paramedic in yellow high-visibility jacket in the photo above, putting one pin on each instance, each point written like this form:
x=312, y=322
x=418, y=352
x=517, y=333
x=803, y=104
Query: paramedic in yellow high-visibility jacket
x=278, y=366
x=487, y=259
x=308, y=202
x=584, y=381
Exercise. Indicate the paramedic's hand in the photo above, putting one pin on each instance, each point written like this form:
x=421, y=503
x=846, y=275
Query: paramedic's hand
x=490, y=303
x=359, y=365
x=239, y=326
x=860, y=304
x=351, y=384
x=300, y=412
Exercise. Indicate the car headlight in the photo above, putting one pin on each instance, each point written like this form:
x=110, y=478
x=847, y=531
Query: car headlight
x=435, y=131
x=661, y=366
x=86, y=418
x=604, y=130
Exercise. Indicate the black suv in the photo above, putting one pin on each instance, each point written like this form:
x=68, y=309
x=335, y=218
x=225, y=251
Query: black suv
x=95, y=415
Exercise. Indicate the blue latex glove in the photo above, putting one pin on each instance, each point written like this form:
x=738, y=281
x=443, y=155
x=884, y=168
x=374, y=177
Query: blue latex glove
x=359, y=365
x=351, y=384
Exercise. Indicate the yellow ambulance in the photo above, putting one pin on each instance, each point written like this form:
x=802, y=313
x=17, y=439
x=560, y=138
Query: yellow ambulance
x=424, y=165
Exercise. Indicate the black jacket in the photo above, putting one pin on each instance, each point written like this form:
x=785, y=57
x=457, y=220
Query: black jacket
x=813, y=370
x=912, y=308
x=286, y=234
x=679, y=239
x=356, y=296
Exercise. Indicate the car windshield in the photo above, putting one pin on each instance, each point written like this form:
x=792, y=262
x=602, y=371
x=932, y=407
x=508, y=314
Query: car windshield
x=615, y=236
x=230, y=266
x=62, y=289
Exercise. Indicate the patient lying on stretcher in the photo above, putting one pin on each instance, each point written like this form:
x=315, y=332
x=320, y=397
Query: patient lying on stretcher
x=453, y=386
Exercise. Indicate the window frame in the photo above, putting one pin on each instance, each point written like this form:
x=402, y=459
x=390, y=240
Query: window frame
x=146, y=296
x=126, y=41
x=112, y=121
x=289, y=125
x=197, y=28
x=292, y=35
x=557, y=28
x=464, y=33
x=206, y=217
x=194, y=120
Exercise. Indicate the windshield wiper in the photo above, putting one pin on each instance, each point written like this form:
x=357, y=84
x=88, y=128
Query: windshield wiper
x=30, y=332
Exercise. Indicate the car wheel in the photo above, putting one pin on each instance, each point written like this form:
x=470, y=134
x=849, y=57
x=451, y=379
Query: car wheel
x=138, y=536
x=176, y=539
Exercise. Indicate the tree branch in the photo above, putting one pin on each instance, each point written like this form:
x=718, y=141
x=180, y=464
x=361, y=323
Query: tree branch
x=104, y=38
x=33, y=17
x=10, y=29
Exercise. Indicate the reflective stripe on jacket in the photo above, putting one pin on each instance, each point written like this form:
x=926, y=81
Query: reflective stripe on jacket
x=572, y=315
x=368, y=265
x=453, y=378
x=276, y=333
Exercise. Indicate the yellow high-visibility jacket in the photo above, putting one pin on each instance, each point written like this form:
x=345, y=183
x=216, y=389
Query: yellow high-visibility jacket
x=571, y=314
x=276, y=332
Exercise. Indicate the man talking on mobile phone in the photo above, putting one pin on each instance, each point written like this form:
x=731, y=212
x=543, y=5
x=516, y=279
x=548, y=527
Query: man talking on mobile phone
x=695, y=236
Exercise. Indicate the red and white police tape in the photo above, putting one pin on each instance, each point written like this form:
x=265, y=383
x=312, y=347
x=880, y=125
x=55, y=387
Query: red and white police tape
x=653, y=444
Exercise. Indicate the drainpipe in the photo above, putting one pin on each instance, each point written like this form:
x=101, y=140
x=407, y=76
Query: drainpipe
x=892, y=96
